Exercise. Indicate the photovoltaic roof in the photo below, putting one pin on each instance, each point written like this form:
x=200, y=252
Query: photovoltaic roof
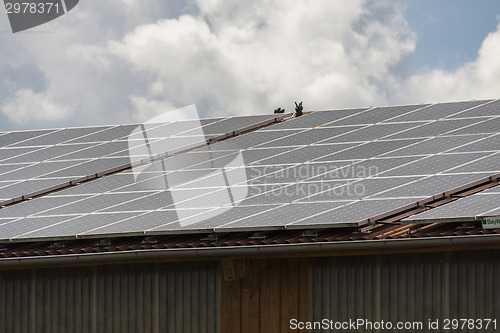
x=473, y=207
x=332, y=168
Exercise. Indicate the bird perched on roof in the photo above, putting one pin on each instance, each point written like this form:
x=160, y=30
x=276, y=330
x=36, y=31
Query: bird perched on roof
x=279, y=110
x=298, y=109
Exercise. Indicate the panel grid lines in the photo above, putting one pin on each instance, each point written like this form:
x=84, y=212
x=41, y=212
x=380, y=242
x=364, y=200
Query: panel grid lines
x=324, y=169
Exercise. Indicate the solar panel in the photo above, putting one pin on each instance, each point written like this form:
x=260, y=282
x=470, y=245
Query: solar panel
x=5, y=221
x=275, y=216
x=257, y=156
x=489, y=109
x=148, y=202
x=434, y=164
x=367, y=150
x=267, y=174
x=73, y=226
x=28, y=225
x=87, y=168
x=324, y=169
x=292, y=173
x=6, y=183
x=361, y=169
x=484, y=125
x=179, y=177
x=310, y=136
x=9, y=153
x=199, y=220
x=19, y=137
x=5, y=168
x=437, y=145
x=46, y=153
x=137, y=224
x=59, y=136
x=376, y=115
x=436, y=128
x=323, y=118
x=358, y=189
x=491, y=213
x=37, y=206
x=204, y=198
x=29, y=186
x=495, y=189
x=438, y=111
x=108, y=134
x=487, y=143
x=285, y=193
x=196, y=161
x=219, y=220
x=373, y=132
x=315, y=119
x=93, y=204
x=162, y=130
x=152, y=131
x=465, y=209
x=354, y=213
x=36, y=170
x=259, y=137
x=175, y=143
x=101, y=185
x=87, y=151
x=429, y=186
x=230, y=124
x=489, y=163
x=207, y=178
x=303, y=154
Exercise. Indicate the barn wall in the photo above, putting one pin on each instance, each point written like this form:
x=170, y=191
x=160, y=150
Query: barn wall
x=160, y=297
x=407, y=287
x=262, y=295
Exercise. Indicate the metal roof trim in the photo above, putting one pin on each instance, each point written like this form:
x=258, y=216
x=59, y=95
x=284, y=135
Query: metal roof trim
x=304, y=249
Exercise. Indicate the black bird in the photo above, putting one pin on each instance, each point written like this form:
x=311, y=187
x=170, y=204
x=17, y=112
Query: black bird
x=298, y=109
x=279, y=110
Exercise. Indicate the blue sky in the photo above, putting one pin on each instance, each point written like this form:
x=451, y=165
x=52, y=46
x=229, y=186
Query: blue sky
x=449, y=32
x=126, y=61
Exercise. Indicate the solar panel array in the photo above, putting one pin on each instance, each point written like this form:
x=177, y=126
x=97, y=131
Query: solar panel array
x=34, y=160
x=324, y=169
x=476, y=206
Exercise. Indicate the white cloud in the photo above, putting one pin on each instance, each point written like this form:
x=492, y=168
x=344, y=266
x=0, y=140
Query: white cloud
x=250, y=57
x=27, y=106
x=478, y=79
x=149, y=108
x=227, y=57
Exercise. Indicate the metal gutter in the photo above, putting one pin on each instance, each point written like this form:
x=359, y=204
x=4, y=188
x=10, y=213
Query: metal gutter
x=447, y=243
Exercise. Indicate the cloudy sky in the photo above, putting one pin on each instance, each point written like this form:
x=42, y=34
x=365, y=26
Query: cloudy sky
x=124, y=61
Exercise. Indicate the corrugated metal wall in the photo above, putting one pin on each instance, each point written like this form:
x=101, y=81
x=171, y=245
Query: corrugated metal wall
x=407, y=287
x=159, y=297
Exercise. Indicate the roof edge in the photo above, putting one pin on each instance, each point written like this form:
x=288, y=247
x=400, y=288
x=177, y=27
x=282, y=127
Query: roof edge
x=336, y=248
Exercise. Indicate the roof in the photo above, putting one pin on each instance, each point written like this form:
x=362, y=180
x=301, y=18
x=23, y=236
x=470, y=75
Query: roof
x=329, y=173
x=474, y=207
x=334, y=241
